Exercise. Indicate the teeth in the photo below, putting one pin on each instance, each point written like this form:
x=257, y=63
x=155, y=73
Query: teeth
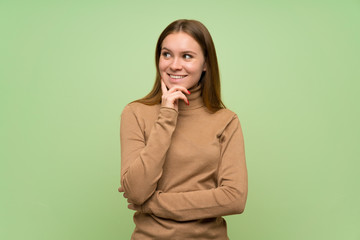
x=176, y=76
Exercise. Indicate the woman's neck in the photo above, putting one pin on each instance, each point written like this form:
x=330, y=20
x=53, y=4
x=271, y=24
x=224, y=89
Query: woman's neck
x=195, y=99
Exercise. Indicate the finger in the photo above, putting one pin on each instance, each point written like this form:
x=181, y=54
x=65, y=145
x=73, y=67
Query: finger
x=125, y=195
x=121, y=189
x=163, y=87
x=176, y=96
x=178, y=88
x=185, y=100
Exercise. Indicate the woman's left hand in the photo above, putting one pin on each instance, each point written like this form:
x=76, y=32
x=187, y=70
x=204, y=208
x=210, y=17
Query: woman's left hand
x=130, y=205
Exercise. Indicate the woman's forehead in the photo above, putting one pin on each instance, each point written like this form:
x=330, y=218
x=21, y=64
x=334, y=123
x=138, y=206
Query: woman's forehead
x=180, y=41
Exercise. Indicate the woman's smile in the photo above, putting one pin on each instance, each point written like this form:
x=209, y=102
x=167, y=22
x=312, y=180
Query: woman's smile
x=176, y=77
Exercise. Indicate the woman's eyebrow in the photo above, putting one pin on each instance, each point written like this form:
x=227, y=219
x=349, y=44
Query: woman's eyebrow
x=193, y=53
x=186, y=51
x=164, y=48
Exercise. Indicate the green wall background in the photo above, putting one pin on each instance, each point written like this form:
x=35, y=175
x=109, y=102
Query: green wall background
x=290, y=70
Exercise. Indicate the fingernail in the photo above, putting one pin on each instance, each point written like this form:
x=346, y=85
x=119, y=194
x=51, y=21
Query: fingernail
x=189, y=92
x=188, y=102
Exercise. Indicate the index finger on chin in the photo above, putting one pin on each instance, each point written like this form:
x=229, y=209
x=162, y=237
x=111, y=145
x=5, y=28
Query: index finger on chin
x=179, y=88
x=163, y=87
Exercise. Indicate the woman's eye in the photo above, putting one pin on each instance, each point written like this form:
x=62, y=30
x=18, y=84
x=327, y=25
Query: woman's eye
x=187, y=56
x=166, y=54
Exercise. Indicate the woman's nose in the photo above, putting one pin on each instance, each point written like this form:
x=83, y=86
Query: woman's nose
x=176, y=64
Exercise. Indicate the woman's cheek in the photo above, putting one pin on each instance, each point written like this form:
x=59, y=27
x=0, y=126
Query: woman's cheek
x=194, y=68
x=162, y=65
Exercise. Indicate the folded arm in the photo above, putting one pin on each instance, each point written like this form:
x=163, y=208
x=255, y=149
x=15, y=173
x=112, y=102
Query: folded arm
x=228, y=198
x=142, y=163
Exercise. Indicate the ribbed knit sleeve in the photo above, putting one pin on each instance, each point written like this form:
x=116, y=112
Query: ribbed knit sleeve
x=142, y=161
x=229, y=197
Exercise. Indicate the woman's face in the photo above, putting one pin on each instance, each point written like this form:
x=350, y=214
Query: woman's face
x=181, y=60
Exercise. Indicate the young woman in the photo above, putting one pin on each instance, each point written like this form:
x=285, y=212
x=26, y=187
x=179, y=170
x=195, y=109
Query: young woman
x=182, y=152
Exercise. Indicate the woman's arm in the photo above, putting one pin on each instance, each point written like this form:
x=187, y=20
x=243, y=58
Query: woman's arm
x=228, y=198
x=142, y=163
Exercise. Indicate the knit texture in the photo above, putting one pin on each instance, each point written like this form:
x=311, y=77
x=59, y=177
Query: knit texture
x=185, y=168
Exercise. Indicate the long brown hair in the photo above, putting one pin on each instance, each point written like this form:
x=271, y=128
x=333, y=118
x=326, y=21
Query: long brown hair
x=210, y=79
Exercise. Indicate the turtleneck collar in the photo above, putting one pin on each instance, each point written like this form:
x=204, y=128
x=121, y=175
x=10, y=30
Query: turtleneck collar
x=195, y=99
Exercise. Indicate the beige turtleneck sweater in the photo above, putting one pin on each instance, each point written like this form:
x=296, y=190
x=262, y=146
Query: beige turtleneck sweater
x=186, y=169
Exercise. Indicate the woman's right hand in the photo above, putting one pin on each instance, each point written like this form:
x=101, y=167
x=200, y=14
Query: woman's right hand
x=171, y=97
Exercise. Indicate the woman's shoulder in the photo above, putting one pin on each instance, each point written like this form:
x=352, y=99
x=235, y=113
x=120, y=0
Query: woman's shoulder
x=138, y=108
x=229, y=119
x=225, y=114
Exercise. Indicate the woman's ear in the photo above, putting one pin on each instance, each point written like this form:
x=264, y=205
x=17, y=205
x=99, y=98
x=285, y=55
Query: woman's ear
x=204, y=68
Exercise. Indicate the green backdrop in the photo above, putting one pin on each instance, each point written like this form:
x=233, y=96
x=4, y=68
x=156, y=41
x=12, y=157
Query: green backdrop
x=290, y=70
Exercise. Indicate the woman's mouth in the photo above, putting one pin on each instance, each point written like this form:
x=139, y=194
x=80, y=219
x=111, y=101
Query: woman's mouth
x=177, y=76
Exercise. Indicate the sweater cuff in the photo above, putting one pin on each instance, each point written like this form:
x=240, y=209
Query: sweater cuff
x=150, y=203
x=145, y=208
x=168, y=110
x=168, y=116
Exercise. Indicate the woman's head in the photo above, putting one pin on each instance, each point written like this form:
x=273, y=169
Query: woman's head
x=185, y=55
x=181, y=61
